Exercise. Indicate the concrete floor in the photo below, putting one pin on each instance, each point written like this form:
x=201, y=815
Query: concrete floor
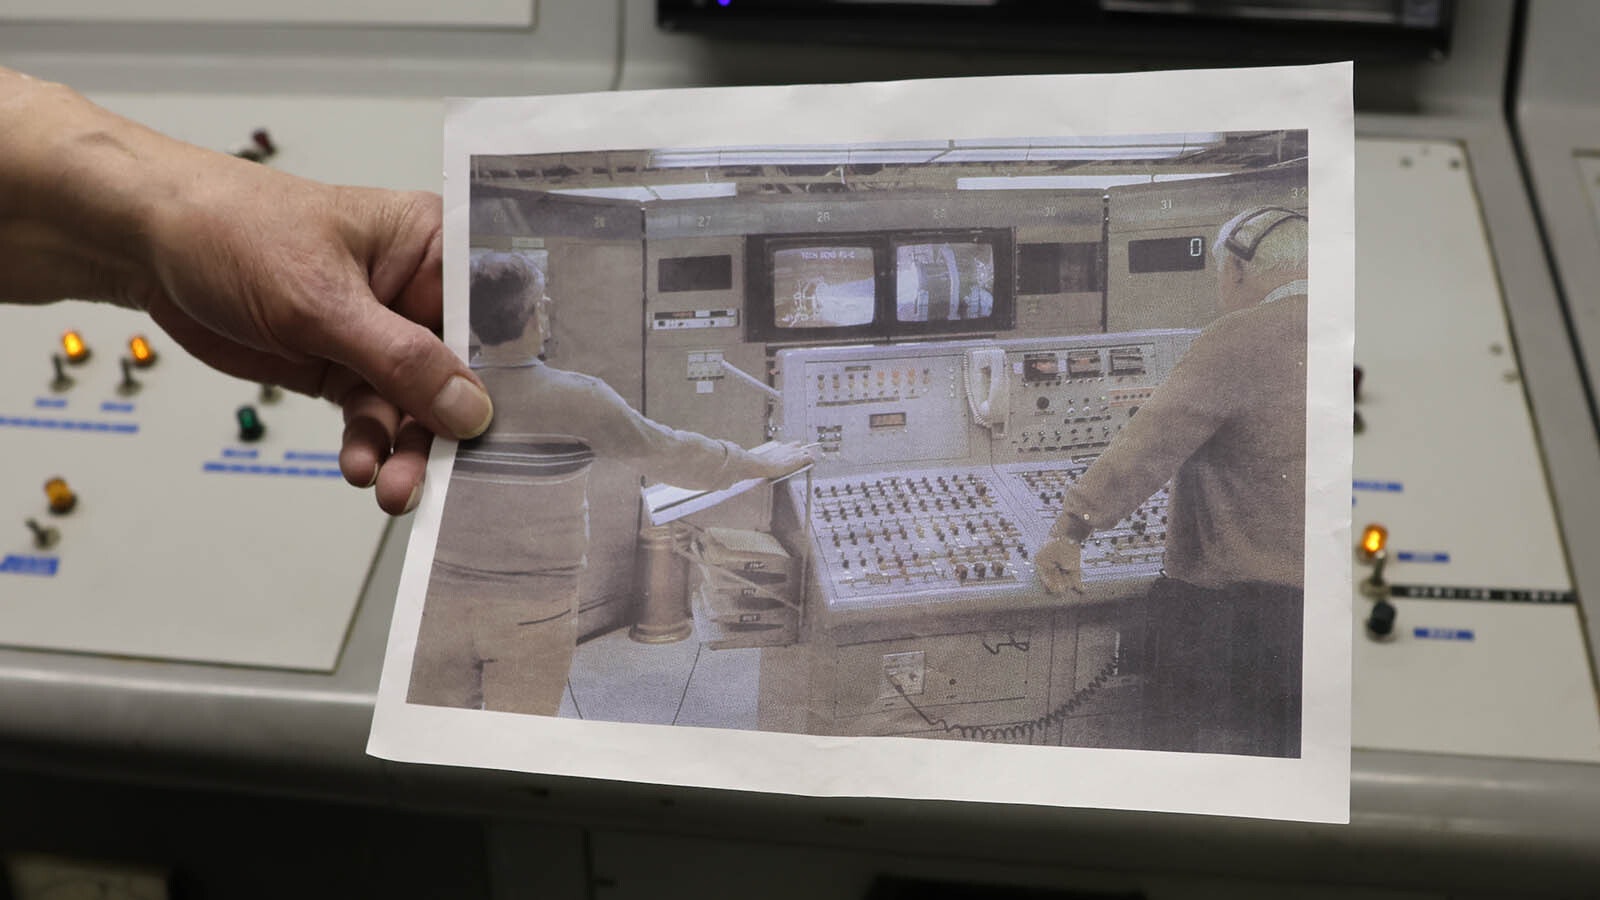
x=617, y=679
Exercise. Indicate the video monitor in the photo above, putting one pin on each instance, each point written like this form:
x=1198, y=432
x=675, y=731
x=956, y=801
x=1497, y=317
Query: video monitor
x=814, y=287
x=943, y=282
x=1269, y=31
x=1074, y=267
x=824, y=286
x=954, y=281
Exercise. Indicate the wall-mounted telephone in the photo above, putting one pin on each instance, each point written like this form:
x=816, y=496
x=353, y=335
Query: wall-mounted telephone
x=989, y=388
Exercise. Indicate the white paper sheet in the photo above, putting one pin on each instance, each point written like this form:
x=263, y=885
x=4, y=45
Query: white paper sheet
x=723, y=131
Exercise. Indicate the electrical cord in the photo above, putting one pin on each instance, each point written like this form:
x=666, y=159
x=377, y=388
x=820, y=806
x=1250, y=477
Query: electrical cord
x=1023, y=730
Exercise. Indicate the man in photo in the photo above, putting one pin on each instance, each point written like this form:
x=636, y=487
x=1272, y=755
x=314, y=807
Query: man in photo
x=499, y=623
x=1228, y=429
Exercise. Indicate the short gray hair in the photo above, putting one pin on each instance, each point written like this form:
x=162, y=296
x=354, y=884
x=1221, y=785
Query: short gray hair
x=497, y=307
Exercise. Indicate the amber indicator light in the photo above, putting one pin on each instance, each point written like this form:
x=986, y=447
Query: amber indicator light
x=73, y=346
x=1373, y=539
x=62, y=499
x=139, y=350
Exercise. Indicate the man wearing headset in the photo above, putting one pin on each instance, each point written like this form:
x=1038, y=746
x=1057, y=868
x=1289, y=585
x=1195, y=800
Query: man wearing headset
x=1228, y=429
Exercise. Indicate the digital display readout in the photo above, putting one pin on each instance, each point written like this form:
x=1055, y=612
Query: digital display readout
x=1177, y=254
x=877, y=421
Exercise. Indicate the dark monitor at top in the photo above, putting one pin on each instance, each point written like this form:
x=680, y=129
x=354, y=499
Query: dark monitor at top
x=880, y=286
x=1260, y=31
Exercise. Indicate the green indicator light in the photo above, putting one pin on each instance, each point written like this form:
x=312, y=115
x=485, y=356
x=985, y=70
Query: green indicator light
x=250, y=427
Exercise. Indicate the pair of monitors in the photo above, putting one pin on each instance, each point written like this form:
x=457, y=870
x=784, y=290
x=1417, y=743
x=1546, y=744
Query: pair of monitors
x=880, y=286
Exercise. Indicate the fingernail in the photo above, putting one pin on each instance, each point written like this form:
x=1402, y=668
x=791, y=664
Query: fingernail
x=411, y=501
x=463, y=407
x=374, y=479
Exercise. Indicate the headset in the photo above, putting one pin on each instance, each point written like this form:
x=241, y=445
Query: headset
x=1250, y=228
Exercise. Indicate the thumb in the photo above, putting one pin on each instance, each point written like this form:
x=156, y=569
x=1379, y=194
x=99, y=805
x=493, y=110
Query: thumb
x=410, y=367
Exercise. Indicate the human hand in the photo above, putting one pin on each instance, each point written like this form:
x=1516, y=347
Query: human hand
x=334, y=292
x=779, y=459
x=1060, y=565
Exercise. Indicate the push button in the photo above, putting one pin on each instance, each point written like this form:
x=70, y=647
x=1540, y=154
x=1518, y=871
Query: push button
x=250, y=427
x=62, y=499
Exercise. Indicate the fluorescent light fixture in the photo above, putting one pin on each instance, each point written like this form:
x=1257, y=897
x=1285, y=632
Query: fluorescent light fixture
x=1059, y=154
x=800, y=155
x=1194, y=140
x=1054, y=149
x=696, y=190
x=636, y=194
x=1188, y=176
x=1072, y=182
x=1086, y=147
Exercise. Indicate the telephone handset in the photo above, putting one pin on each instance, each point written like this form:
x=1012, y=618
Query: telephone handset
x=989, y=388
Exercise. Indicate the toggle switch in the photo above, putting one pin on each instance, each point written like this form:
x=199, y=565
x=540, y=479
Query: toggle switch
x=250, y=426
x=1374, y=541
x=62, y=381
x=62, y=499
x=261, y=149
x=44, y=536
x=129, y=384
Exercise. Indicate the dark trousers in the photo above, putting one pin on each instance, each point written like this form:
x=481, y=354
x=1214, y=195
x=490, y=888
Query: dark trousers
x=1224, y=669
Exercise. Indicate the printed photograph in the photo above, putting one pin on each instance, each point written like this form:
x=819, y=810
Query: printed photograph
x=970, y=440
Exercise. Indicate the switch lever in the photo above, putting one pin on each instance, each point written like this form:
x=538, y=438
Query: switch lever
x=44, y=536
x=129, y=385
x=62, y=381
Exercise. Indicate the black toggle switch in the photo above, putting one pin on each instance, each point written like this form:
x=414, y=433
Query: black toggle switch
x=44, y=536
x=1380, y=623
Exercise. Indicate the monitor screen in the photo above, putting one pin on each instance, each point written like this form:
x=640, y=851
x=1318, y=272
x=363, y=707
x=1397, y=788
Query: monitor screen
x=1064, y=268
x=944, y=282
x=695, y=273
x=1163, y=30
x=950, y=281
x=823, y=287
